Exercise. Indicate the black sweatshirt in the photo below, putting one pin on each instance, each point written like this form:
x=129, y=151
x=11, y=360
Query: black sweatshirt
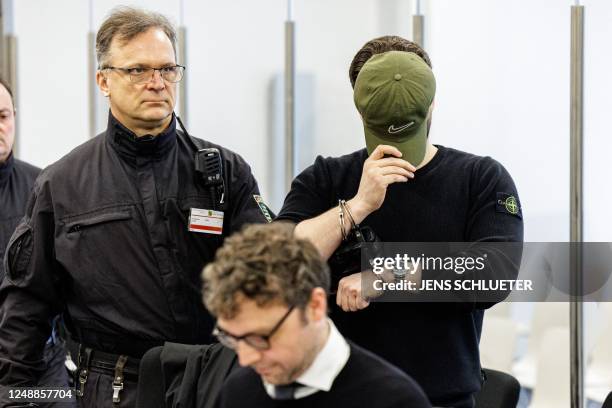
x=454, y=198
x=16, y=182
x=365, y=381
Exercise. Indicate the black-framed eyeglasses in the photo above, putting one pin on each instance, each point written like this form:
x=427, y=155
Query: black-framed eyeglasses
x=257, y=341
x=140, y=75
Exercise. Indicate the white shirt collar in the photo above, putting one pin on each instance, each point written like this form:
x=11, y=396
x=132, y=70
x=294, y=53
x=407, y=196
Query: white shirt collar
x=325, y=367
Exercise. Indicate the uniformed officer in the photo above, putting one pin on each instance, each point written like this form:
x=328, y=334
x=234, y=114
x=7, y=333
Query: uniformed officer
x=16, y=182
x=16, y=177
x=118, y=230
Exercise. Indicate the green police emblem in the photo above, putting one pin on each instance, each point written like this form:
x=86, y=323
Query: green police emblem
x=511, y=205
x=263, y=207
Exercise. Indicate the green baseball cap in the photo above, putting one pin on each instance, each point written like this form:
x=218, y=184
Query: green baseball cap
x=393, y=93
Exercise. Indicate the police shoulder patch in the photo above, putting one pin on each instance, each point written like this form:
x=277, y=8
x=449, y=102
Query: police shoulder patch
x=263, y=207
x=508, y=204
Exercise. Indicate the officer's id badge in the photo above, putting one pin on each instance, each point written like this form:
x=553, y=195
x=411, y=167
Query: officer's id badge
x=206, y=221
x=508, y=204
x=263, y=207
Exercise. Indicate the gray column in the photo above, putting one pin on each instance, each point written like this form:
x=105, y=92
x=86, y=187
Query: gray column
x=92, y=67
x=182, y=60
x=8, y=55
x=3, y=57
x=182, y=57
x=289, y=97
x=576, y=210
x=92, y=87
x=418, y=26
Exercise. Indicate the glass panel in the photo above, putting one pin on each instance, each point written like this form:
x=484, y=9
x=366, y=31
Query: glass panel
x=597, y=194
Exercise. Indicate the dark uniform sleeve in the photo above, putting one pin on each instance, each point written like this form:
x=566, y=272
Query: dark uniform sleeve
x=29, y=294
x=246, y=204
x=310, y=194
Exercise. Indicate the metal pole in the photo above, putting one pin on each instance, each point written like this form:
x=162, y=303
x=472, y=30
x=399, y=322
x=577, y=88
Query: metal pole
x=3, y=57
x=8, y=56
x=576, y=221
x=91, y=82
x=10, y=75
x=8, y=44
x=289, y=97
x=418, y=26
x=182, y=57
x=92, y=91
x=6, y=30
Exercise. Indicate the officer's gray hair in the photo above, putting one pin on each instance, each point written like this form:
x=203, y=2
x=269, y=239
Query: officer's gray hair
x=126, y=23
x=265, y=263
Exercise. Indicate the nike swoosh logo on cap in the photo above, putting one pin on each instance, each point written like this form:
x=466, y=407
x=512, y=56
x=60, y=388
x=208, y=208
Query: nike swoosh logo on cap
x=392, y=129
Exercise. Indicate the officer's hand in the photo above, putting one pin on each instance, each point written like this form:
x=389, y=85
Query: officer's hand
x=351, y=296
x=378, y=172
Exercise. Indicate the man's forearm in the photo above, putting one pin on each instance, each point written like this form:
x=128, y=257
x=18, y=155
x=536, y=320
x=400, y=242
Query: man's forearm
x=324, y=230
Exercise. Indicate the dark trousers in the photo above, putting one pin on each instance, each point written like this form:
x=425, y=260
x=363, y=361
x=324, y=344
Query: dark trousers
x=56, y=374
x=99, y=391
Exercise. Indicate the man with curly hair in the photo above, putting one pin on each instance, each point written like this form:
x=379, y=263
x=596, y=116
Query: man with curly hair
x=268, y=290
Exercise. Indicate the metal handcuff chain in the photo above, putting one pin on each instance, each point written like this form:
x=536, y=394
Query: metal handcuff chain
x=344, y=209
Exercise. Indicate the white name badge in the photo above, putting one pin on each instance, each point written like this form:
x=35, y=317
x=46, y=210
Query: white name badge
x=206, y=221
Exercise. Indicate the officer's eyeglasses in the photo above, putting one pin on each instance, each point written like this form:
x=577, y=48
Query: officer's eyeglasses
x=140, y=75
x=257, y=341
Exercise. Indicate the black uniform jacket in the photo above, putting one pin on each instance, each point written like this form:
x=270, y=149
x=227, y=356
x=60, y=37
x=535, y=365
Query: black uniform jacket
x=105, y=239
x=16, y=182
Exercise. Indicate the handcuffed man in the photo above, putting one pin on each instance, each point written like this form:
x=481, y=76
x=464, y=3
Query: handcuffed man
x=406, y=189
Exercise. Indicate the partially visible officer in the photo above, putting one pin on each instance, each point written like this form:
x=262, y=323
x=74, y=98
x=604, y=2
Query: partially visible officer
x=16, y=183
x=406, y=189
x=118, y=230
x=269, y=291
x=16, y=177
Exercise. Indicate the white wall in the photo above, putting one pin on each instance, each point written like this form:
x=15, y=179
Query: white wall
x=52, y=74
x=597, y=140
x=502, y=70
x=235, y=50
